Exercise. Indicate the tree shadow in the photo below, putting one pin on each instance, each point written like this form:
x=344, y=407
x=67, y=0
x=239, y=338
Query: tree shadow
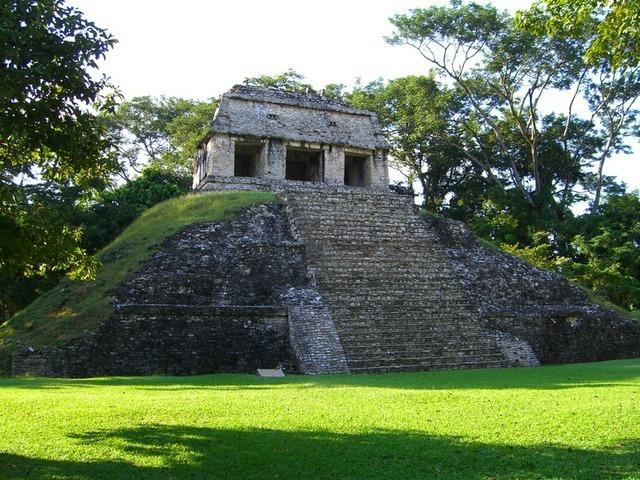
x=185, y=452
x=553, y=377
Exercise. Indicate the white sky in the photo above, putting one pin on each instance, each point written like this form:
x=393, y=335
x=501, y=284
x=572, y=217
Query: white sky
x=200, y=48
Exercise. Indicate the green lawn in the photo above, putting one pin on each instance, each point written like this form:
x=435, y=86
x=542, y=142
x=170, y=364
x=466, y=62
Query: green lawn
x=575, y=421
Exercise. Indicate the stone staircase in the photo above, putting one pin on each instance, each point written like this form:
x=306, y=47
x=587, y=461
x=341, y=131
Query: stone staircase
x=389, y=283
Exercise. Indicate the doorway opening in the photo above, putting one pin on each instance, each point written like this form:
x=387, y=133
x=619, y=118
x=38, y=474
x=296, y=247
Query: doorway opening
x=246, y=160
x=355, y=171
x=304, y=165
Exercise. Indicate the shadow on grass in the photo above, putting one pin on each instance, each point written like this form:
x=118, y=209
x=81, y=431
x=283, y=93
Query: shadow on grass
x=199, y=453
x=590, y=375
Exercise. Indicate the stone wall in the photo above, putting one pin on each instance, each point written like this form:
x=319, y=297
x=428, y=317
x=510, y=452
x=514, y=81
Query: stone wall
x=220, y=155
x=279, y=120
x=272, y=162
x=274, y=155
x=170, y=340
x=270, y=113
x=334, y=166
x=554, y=317
x=217, y=183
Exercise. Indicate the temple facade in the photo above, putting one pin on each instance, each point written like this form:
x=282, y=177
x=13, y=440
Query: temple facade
x=263, y=138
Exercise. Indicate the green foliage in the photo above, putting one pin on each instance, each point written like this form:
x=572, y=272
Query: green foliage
x=50, y=136
x=498, y=75
x=163, y=132
x=473, y=135
x=73, y=307
x=556, y=422
x=290, y=81
x=112, y=210
x=539, y=255
x=415, y=112
x=610, y=27
x=100, y=219
x=155, y=137
x=608, y=251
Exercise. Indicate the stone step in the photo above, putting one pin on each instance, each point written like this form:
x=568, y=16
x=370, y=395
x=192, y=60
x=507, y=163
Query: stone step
x=428, y=355
x=418, y=337
x=419, y=330
x=420, y=349
x=390, y=285
x=417, y=368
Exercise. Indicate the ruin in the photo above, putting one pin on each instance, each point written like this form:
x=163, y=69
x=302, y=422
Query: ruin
x=343, y=275
x=263, y=138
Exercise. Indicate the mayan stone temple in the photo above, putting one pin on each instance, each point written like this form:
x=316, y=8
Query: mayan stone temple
x=340, y=275
x=262, y=136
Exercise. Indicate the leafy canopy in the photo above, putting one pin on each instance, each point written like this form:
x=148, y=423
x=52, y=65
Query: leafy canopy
x=49, y=130
x=610, y=27
x=160, y=131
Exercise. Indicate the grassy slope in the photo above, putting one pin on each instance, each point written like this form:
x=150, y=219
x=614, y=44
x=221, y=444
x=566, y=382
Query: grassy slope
x=560, y=422
x=74, y=307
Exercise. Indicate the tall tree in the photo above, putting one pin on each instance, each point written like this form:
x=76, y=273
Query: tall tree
x=416, y=113
x=163, y=132
x=50, y=135
x=607, y=32
x=607, y=250
x=505, y=75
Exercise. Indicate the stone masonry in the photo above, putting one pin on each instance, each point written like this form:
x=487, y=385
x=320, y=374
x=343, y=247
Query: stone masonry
x=262, y=134
x=338, y=279
x=414, y=293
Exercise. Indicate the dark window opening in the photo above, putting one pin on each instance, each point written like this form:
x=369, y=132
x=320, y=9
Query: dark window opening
x=355, y=171
x=304, y=165
x=246, y=160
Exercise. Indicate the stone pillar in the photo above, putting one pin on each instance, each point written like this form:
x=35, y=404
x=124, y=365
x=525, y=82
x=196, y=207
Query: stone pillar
x=273, y=159
x=379, y=170
x=334, y=165
x=220, y=152
x=199, y=172
x=368, y=174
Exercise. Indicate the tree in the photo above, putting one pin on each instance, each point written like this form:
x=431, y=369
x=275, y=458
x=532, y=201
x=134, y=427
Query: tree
x=290, y=81
x=608, y=33
x=609, y=26
x=415, y=112
x=607, y=250
x=160, y=131
x=503, y=75
x=111, y=211
x=50, y=134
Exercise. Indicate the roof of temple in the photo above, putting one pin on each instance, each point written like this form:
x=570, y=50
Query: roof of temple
x=268, y=112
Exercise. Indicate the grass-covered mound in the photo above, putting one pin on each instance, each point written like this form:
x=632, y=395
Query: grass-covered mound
x=560, y=422
x=74, y=307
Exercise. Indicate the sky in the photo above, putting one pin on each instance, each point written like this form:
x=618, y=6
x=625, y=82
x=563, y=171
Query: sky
x=200, y=48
